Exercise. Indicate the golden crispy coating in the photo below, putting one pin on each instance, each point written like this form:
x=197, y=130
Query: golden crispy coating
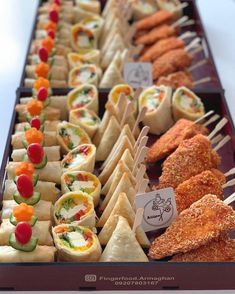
x=156, y=19
x=176, y=80
x=161, y=47
x=204, y=221
x=159, y=33
x=220, y=250
x=195, y=188
x=182, y=130
x=192, y=157
x=170, y=62
x=219, y=175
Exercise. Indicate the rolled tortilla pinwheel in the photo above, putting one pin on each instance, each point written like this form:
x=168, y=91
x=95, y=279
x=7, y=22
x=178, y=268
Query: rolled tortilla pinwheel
x=75, y=207
x=43, y=209
x=91, y=6
x=91, y=57
x=18, y=138
x=57, y=102
x=94, y=23
x=83, y=39
x=28, y=83
x=83, y=96
x=81, y=181
x=52, y=153
x=47, y=190
x=50, y=173
x=84, y=74
x=185, y=104
x=80, y=14
x=56, y=72
x=80, y=158
x=49, y=126
x=158, y=117
x=41, y=230
x=40, y=254
x=86, y=119
x=49, y=112
x=76, y=243
x=70, y=136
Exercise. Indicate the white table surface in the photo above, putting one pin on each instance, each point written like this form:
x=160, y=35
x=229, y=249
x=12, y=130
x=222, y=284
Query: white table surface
x=16, y=18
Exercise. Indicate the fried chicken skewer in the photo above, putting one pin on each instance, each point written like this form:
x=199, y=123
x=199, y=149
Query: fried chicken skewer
x=219, y=250
x=203, y=222
x=192, y=157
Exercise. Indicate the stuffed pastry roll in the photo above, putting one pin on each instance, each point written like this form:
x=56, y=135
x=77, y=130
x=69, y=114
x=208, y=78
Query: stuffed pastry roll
x=84, y=74
x=76, y=243
x=40, y=254
x=81, y=158
x=81, y=181
x=75, y=207
x=70, y=136
x=83, y=39
x=158, y=102
x=91, y=57
x=91, y=6
x=50, y=173
x=41, y=230
x=86, y=119
x=49, y=126
x=186, y=104
x=43, y=209
x=47, y=190
x=94, y=23
x=83, y=96
x=55, y=73
x=28, y=83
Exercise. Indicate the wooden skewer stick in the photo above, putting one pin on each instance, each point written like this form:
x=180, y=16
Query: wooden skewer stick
x=139, y=159
x=142, y=144
x=230, y=172
x=137, y=93
x=138, y=219
x=180, y=6
x=139, y=119
x=128, y=111
x=143, y=186
x=225, y=140
x=230, y=199
x=204, y=116
x=198, y=49
x=229, y=184
x=194, y=43
x=197, y=65
x=142, y=134
x=211, y=120
x=202, y=81
x=188, y=23
x=217, y=139
x=218, y=127
x=187, y=35
x=140, y=175
x=180, y=21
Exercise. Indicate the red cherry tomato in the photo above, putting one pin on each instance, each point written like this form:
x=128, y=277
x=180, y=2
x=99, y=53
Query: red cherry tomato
x=84, y=149
x=35, y=123
x=23, y=232
x=53, y=15
x=42, y=94
x=51, y=34
x=58, y=2
x=43, y=54
x=25, y=186
x=35, y=153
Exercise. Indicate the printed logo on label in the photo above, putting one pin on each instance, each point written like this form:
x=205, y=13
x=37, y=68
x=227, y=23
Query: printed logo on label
x=90, y=278
x=138, y=74
x=159, y=208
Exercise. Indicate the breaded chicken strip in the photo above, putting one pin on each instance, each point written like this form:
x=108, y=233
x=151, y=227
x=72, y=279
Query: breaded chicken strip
x=203, y=222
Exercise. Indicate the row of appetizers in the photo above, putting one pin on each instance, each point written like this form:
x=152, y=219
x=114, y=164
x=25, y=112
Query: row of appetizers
x=74, y=44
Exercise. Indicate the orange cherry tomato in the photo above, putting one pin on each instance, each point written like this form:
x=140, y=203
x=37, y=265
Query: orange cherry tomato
x=34, y=136
x=50, y=26
x=42, y=69
x=41, y=82
x=23, y=212
x=48, y=43
x=25, y=168
x=34, y=107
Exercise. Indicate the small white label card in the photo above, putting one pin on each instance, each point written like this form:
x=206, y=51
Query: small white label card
x=138, y=74
x=159, y=208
